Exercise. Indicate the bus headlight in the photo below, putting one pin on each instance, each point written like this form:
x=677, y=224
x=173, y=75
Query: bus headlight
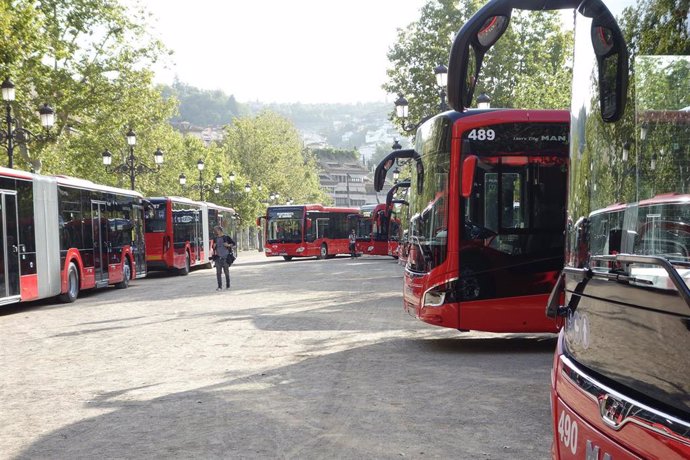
x=440, y=294
x=267, y=250
x=300, y=249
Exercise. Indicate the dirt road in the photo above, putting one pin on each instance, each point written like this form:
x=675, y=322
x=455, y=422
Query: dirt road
x=301, y=359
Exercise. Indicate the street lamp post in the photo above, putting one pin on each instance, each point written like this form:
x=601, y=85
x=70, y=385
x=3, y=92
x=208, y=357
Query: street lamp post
x=131, y=166
x=200, y=165
x=483, y=101
x=232, y=178
x=402, y=106
x=441, y=74
x=12, y=135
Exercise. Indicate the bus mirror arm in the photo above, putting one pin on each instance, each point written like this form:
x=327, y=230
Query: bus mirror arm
x=387, y=163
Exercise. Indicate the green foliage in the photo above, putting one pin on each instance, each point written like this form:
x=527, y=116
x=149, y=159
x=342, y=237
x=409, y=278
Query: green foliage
x=89, y=59
x=529, y=66
x=266, y=151
x=203, y=107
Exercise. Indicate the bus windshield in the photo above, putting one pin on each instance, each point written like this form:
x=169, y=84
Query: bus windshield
x=518, y=205
x=155, y=217
x=284, y=225
x=648, y=177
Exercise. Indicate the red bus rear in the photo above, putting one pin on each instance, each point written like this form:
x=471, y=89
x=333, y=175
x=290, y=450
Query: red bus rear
x=177, y=234
x=309, y=230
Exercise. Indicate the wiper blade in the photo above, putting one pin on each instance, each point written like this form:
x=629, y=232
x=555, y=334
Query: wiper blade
x=667, y=265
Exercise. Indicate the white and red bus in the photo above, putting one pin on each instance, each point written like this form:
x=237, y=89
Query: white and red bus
x=177, y=234
x=487, y=199
x=621, y=374
x=61, y=235
x=309, y=230
x=224, y=217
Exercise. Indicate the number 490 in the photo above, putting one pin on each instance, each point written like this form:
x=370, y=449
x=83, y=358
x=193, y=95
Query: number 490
x=567, y=432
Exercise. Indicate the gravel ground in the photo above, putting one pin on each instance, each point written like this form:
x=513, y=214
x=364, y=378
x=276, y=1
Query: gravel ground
x=301, y=359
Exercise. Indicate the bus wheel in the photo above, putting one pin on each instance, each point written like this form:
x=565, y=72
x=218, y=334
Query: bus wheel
x=324, y=251
x=187, y=265
x=72, y=285
x=288, y=258
x=126, y=275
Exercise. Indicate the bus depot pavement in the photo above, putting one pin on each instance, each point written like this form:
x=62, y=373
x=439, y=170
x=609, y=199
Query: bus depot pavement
x=302, y=359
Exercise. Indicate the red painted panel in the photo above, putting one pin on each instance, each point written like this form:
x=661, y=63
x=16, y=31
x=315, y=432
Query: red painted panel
x=510, y=314
x=29, y=287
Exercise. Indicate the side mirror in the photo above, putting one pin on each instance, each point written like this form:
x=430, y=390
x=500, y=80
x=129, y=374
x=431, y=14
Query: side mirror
x=612, y=62
x=469, y=166
x=387, y=163
x=471, y=43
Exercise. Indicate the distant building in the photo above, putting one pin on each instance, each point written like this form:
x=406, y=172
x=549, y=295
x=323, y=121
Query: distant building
x=206, y=134
x=347, y=181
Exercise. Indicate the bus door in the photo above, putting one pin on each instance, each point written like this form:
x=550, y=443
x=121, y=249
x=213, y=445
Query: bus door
x=139, y=242
x=197, y=241
x=101, y=248
x=9, y=254
x=322, y=227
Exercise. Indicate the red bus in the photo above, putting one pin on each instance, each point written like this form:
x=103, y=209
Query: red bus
x=372, y=226
x=488, y=213
x=398, y=210
x=177, y=234
x=621, y=374
x=306, y=231
x=60, y=235
x=378, y=229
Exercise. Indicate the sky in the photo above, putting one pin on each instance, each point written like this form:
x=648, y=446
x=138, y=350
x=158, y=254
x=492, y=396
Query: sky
x=309, y=51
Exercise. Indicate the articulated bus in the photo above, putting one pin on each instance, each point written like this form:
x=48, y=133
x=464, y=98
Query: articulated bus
x=487, y=198
x=306, y=231
x=621, y=374
x=377, y=230
x=61, y=235
x=177, y=234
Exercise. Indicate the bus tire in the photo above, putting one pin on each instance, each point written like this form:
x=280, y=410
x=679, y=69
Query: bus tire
x=184, y=271
x=126, y=276
x=323, y=252
x=72, y=285
x=287, y=258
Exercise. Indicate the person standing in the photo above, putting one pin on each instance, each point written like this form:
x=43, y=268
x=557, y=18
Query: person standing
x=353, y=244
x=222, y=246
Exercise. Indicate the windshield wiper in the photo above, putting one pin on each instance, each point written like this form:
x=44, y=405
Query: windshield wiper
x=658, y=261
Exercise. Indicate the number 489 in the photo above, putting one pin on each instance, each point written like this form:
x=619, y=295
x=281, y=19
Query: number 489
x=482, y=135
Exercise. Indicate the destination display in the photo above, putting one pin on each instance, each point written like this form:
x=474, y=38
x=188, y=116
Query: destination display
x=510, y=138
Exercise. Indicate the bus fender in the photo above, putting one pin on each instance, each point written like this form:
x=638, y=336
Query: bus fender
x=73, y=256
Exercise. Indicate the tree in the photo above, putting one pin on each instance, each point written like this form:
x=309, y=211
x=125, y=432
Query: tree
x=89, y=59
x=266, y=150
x=528, y=67
x=203, y=107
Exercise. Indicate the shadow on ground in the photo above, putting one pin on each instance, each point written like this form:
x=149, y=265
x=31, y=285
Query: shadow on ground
x=447, y=398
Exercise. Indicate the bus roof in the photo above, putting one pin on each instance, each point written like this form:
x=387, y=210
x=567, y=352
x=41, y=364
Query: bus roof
x=314, y=207
x=87, y=184
x=174, y=199
x=217, y=206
